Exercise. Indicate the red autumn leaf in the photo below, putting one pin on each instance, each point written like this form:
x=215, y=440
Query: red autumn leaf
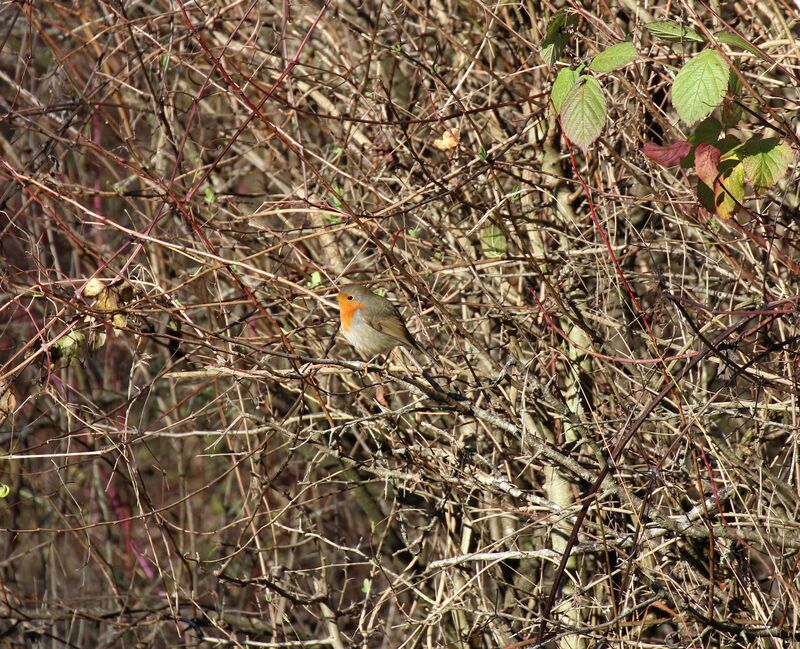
x=668, y=155
x=706, y=160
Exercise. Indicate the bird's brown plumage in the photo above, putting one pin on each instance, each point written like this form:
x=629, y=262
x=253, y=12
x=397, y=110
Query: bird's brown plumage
x=370, y=322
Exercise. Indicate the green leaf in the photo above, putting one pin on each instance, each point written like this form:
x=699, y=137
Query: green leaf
x=565, y=80
x=737, y=41
x=765, y=162
x=731, y=106
x=4, y=490
x=669, y=30
x=68, y=346
x=493, y=242
x=366, y=585
x=728, y=145
x=209, y=195
x=555, y=39
x=700, y=86
x=583, y=112
x=482, y=154
x=316, y=279
x=706, y=132
x=336, y=200
x=613, y=57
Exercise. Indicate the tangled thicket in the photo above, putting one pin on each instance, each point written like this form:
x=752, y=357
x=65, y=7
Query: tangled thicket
x=193, y=457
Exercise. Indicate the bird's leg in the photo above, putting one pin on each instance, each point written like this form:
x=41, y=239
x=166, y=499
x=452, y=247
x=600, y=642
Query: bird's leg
x=380, y=389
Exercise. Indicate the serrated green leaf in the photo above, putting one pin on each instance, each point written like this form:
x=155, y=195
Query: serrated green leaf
x=737, y=41
x=700, y=86
x=551, y=52
x=731, y=113
x=565, y=81
x=583, y=112
x=706, y=132
x=493, y=242
x=731, y=107
x=614, y=57
x=669, y=30
x=734, y=83
x=555, y=39
x=765, y=162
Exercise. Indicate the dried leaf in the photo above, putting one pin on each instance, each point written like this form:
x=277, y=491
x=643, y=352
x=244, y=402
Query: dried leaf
x=7, y=400
x=450, y=139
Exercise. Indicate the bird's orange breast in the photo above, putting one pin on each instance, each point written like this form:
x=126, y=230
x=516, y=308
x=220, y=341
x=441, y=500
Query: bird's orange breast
x=347, y=309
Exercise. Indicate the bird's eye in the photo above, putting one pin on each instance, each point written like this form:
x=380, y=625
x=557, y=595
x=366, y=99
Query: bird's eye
x=349, y=297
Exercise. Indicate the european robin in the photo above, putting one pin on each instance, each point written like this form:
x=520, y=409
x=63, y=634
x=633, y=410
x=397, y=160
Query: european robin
x=371, y=323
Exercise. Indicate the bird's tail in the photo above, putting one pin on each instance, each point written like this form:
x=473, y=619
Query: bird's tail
x=422, y=370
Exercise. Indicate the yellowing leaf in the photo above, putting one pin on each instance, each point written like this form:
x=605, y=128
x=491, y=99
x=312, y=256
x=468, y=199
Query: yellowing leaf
x=110, y=300
x=120, y=321
x=729, y=191
x=107, y=300
x=93, y=287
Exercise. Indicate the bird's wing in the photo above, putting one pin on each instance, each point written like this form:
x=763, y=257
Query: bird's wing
x=393, y=327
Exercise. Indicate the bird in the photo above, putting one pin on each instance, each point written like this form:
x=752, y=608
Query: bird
x=371, y=323
x=374, y=326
